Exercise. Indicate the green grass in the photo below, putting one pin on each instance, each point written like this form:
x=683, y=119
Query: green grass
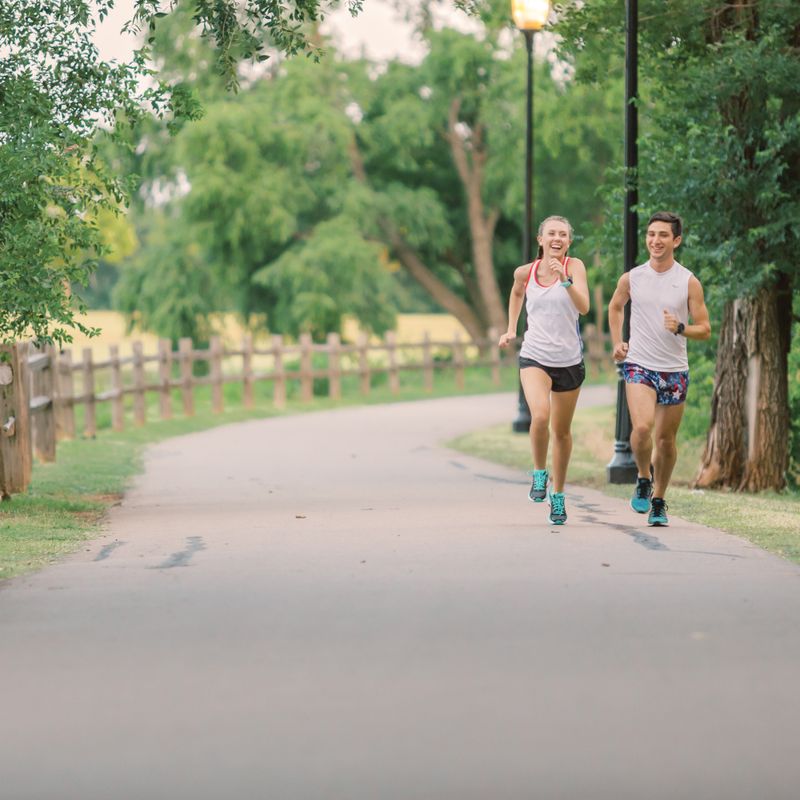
x=67, y=500
x=768, y=520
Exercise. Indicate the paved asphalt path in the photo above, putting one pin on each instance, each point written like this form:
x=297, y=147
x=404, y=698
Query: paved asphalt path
x=333, y=606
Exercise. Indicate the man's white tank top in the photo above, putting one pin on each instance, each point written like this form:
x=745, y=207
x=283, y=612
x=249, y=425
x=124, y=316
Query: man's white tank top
x=553, y=337
x=651, y=345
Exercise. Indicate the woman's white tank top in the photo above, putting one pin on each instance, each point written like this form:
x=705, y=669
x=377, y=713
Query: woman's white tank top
x=651, y=345
x=553, y=335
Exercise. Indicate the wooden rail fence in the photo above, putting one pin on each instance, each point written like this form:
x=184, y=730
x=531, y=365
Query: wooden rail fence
x=40, y=390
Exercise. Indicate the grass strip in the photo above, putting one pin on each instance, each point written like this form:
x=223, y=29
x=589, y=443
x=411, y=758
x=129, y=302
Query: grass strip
x=767, y=519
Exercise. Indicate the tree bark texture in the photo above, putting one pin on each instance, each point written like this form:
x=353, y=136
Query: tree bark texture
x=747, y=447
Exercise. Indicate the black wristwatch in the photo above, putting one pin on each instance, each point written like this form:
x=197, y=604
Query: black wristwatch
x=680, y=329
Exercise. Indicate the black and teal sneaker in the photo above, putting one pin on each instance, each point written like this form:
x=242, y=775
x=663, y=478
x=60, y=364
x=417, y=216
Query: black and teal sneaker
x=658, y=513
x=538, y=492
x=640, y=502
x=558, y=508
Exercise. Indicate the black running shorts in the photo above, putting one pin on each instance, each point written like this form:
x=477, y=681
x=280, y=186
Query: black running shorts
x=565, y=379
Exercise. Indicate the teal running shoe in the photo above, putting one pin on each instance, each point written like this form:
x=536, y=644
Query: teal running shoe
x=640, y=502
x=558, y=508
x=538, y=492
x=657, y=517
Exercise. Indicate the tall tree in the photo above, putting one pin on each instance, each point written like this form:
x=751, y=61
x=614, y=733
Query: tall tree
x=265, y=210
x=424, y=160
x=441, y=148
x=720, y=84
x=55, y=94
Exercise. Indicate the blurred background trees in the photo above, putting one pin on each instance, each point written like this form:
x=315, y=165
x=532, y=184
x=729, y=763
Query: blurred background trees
x=332, y=189
x=315, y=189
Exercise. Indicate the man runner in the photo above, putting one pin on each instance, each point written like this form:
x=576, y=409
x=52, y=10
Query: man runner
x=664, y=297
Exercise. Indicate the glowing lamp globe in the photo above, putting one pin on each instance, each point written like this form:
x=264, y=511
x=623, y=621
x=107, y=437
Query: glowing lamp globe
x=530, y=15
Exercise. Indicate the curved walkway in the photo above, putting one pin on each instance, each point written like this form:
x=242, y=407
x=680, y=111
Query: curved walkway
x=333, y=605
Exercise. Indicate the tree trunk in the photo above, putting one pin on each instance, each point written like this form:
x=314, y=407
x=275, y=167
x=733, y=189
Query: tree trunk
x=444, y=296
x=747, y=447
x=470, y=162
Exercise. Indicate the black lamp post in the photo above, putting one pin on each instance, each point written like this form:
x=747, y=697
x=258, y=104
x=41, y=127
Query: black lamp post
x=622, y=467
x=530, y=16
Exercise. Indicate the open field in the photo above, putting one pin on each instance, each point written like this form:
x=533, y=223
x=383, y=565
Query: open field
x=114, y=331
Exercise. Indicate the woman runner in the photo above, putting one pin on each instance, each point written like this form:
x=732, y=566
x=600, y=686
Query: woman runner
x=551, y=366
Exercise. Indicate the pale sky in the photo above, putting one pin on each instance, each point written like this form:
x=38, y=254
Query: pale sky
x=378, y=32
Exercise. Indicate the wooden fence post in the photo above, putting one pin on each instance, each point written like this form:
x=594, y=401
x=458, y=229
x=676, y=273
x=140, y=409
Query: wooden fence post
x=391, y=351
x=279, y=381
x=41, y=404
x=248, y=395
x=215, y=353
x=458, y=360
x=334, y=367
x=65, y=407
x=118, y=397
x=139, y=402
x=165, y=378
x=185, y=350
x=16, y=459
x=494, y=355
x=306, y=369
x=363, y=363
x=427, y=361
x=89, y=414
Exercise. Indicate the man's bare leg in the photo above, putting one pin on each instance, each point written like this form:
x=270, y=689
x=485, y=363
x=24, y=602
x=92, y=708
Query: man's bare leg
x=642, y=407
x=667, y=422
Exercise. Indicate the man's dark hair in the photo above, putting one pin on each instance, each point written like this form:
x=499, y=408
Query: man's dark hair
x=667, y=216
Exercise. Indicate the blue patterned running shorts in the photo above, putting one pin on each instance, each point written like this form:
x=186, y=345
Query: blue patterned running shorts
x=670, y=387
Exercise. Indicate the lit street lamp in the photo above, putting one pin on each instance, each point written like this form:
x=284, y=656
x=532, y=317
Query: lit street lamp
x=622, y=467
x=529, y=16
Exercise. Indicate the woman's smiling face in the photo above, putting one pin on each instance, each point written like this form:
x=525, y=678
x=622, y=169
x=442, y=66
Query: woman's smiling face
x=554, y=237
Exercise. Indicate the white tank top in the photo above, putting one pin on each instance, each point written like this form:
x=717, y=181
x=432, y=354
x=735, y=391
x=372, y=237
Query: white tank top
x=651, y=345
x=553, y=336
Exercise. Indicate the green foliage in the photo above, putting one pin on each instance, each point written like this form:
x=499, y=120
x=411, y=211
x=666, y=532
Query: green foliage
x=282, y=215
x=55, y=93
x=410, y=165
x=720, y=117
x=269, y=177
x=243, y=30
x=698, y=401
x=334, y=272
x=168, y=287
x=50, y=185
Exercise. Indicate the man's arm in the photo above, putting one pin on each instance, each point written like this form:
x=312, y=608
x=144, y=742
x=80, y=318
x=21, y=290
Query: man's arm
x=700, y=326
x=616, y=315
